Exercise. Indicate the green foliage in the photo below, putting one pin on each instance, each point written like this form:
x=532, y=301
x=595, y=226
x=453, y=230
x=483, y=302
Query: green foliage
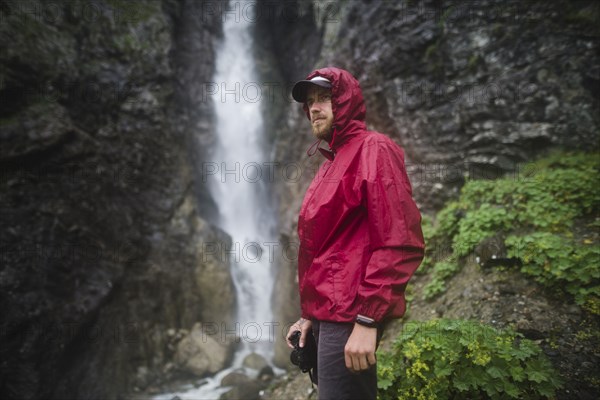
x=536, y=209
x=592, y=305
x=427, y=227
x=448, y=219
x=479, y=224
x=554, y=259
x=441, y=271
x=453, y=359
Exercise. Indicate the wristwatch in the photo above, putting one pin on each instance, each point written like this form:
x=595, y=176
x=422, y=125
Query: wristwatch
x=366, y=321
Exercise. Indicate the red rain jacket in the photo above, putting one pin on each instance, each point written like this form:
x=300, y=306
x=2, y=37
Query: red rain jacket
x=359, y=227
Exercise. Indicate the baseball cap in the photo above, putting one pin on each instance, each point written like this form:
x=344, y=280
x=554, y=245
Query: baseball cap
x=300, y=88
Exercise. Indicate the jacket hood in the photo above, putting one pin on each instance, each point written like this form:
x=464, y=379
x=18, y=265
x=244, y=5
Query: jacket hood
x=347, y=104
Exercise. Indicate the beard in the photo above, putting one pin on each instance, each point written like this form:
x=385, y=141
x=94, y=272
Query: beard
x=322, y=129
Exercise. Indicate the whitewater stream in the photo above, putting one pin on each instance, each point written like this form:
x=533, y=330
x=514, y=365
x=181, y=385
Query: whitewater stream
x=240, y=188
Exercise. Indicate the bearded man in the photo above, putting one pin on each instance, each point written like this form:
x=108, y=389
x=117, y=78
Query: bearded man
x=360, y=237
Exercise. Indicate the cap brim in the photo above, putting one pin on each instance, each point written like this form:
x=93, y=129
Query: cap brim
x=301, y=88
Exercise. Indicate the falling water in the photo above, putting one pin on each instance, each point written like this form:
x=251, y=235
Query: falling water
x=239, y=189
x=241, y=193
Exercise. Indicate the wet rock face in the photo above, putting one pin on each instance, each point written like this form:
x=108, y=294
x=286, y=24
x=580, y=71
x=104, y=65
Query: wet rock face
x=473, y=88
x=102, y=130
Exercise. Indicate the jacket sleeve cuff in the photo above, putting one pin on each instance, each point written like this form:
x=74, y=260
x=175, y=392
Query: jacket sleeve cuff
x=372, y=311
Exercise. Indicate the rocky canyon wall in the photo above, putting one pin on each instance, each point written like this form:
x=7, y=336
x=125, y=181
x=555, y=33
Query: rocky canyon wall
x=103, y=129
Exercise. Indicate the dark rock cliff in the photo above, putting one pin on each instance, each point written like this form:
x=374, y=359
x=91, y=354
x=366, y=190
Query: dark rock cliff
x=470, y=90
x=102, y=130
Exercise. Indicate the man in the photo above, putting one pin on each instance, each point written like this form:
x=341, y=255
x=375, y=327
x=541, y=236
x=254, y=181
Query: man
x=360, y=237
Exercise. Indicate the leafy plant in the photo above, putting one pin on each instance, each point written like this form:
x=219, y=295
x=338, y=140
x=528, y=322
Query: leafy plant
x=552, y=258
x=536, y=209
x=453, y=359
x=441, y=271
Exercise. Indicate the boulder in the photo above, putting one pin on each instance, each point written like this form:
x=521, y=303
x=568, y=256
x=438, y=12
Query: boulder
x=255, y=361
x=247, y=391
x=235, y=379
x=200, y=353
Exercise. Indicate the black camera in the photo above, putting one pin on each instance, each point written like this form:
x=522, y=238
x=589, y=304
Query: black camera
x=304, y=357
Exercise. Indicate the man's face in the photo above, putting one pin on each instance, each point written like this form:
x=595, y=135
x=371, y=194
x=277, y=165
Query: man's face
x=318, y=101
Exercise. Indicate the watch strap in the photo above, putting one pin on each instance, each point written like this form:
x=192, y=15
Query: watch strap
x=366, y=321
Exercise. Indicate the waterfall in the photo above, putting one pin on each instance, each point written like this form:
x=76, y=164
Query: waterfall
x=240, y=190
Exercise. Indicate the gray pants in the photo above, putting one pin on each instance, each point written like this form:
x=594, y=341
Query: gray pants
x=335, y=381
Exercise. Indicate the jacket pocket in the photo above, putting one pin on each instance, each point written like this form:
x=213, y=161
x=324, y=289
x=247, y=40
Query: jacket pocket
x=338, y=285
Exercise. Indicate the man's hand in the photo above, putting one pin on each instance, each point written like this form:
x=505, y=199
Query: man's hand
x=359, y=352
x=302, y=325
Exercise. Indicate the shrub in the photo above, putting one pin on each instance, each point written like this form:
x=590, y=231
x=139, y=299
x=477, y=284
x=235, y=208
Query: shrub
x=536, y=211
x=453, y=359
